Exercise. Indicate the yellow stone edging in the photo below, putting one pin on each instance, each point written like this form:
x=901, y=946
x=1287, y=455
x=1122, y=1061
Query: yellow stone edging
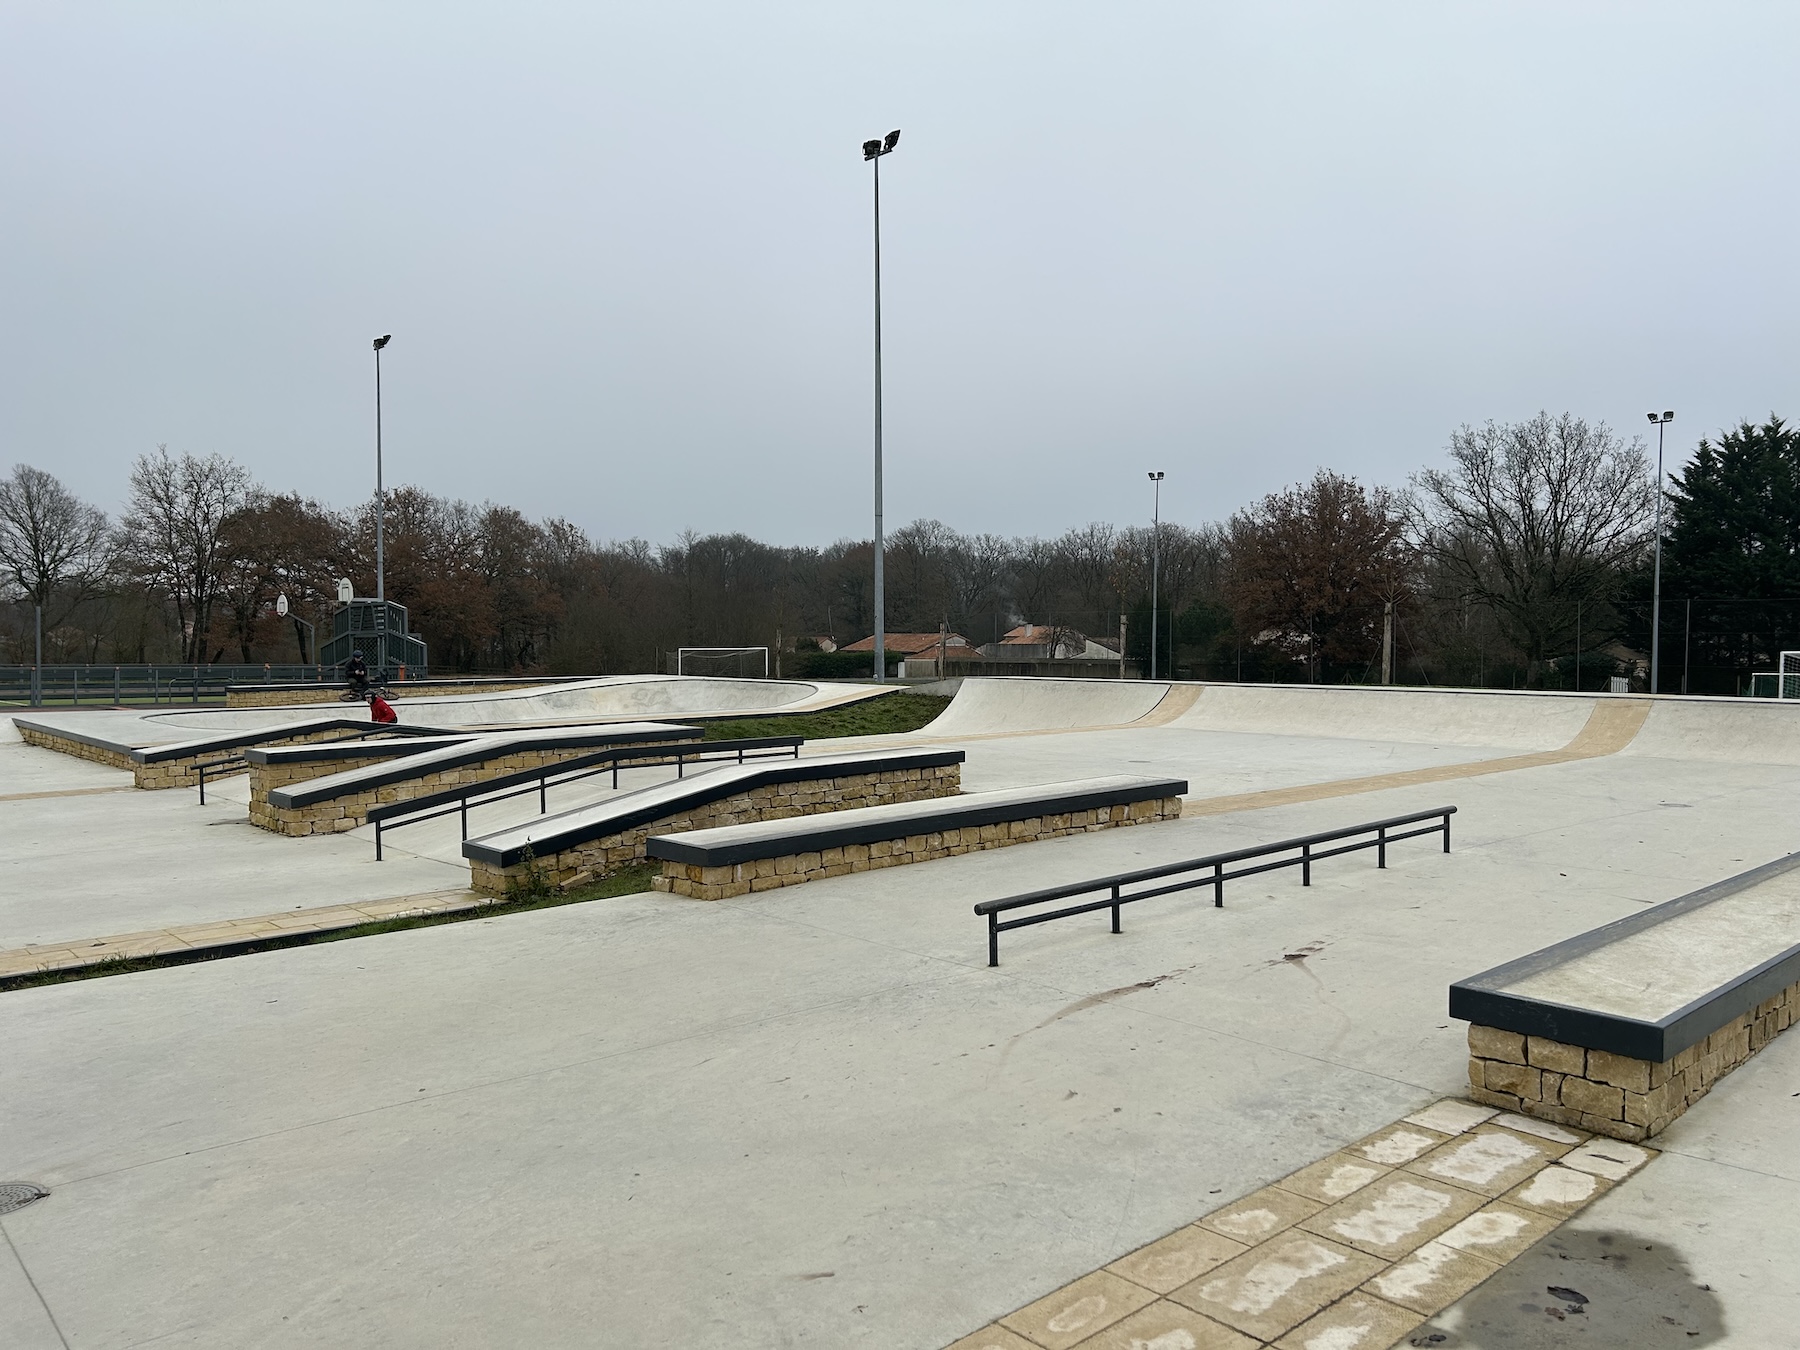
x=1368, y=1242
x=77, y=953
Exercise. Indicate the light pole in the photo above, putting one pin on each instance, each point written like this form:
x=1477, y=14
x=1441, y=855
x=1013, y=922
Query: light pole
x=1155, y=560
x=872, y=152
x=1656, y=585
x=380, y=496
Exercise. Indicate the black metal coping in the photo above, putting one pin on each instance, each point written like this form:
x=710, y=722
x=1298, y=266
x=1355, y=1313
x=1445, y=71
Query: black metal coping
x=474, y=750
x=158, y=754
x=841, y=829
x=598, y=761
x=587, y=823
x=327, y=752
x=1482, y=1000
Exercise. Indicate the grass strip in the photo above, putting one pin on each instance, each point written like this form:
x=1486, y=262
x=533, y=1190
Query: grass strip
x=628, y=881
x=889, y=715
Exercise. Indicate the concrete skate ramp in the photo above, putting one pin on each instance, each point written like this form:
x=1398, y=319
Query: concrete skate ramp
x=618, y=698
x=1008, y=706
x=1499, y=719
x=1728, y=730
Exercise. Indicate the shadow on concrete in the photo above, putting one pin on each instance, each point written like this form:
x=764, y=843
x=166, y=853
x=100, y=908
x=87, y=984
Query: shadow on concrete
x=1593, y=1288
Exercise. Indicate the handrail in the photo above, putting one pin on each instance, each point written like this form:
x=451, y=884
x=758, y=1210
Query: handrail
x=238, y=759
x=1217, y=862
x=417, y=810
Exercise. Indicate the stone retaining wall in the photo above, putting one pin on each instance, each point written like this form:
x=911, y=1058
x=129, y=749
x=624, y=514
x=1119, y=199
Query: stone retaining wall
x=265, y=778
x=328, y=693
x=776, y=801
x=1612, y=1094
x=721, y=883
x=352, y=808
x=66, y=745
x=185, y=772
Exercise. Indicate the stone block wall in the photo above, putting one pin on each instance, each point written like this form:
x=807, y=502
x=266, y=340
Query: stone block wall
x=328, y=693
x=1612, y=1094
x=185, y=772
x=67, y=745
x=777, y=801
x=351, y=809
x=722, y=883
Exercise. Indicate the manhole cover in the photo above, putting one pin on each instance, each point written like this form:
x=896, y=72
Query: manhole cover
x=18, y=1194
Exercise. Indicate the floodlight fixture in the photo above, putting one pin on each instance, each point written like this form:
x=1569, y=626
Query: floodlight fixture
x=871, y=149
x=383, y=340
x=893, y=139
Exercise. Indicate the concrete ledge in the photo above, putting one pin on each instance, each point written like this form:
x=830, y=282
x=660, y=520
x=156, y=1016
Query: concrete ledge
x=569, y=848
x=308, y=791
x=66, y=742
x=717, y=864
x=1622, y=1029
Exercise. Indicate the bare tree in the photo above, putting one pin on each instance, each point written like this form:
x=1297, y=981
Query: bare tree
x=52, y=544
x=171, y=537
x=1535, y=517
x=1311, y=567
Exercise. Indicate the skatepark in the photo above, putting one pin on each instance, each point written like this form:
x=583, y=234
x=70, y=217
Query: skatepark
x=813, y=1114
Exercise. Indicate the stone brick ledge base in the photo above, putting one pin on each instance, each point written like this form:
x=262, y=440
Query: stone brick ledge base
x=185, y=772
x=66, y=745
x=352, y=809
x=722, y=883
x=777, y=801
x=1611, y=1094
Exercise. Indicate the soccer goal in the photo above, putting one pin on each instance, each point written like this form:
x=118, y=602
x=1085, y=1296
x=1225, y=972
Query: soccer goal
x=1782, y=682
x=738, y=663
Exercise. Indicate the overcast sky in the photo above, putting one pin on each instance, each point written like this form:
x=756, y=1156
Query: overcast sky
x=624, y=250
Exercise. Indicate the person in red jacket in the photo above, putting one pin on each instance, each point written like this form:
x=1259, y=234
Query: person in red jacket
x=380, y=710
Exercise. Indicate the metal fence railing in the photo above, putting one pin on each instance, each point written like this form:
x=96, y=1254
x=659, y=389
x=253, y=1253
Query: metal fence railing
x=97, y=685
x=1213, y=870
x=458, y=800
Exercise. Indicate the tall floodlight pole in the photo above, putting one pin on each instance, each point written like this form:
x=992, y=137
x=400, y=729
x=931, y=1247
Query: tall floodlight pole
x=872, y=152
x=380, y=496
x=1656, y=585
x=1155, y=560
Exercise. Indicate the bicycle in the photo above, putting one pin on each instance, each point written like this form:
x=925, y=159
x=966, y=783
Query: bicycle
x=358, y=691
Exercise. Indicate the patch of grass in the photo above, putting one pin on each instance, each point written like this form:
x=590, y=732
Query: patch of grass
x=888, y=715
x=628, y=881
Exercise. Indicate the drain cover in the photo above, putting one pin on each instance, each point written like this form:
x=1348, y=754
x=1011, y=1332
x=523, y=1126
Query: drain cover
x=18, y=1194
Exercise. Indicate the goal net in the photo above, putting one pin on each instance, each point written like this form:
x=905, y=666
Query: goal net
x=1782, y=682
x=737, y=663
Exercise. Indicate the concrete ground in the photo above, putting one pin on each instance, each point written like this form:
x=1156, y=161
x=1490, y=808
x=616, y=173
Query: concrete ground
x=813, y=1116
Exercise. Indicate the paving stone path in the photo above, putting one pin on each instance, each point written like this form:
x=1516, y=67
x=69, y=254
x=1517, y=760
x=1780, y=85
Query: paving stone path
x=1352, y=1252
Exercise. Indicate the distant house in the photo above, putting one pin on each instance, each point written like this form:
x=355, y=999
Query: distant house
x=919, y=653
x=1044, y=642
x=956, y=648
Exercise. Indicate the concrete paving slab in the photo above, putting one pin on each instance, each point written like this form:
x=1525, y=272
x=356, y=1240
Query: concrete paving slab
x=299, y=1169
x=86, y=867
x=806, y=1118
x=25, y=1323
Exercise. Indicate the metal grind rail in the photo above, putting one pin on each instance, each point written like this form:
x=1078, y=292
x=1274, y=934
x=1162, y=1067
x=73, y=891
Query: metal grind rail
x=235, y=763
x=1217, y=869
x=458, y=800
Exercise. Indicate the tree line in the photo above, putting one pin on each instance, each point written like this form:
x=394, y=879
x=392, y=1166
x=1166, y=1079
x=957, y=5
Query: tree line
x=1522, y=558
